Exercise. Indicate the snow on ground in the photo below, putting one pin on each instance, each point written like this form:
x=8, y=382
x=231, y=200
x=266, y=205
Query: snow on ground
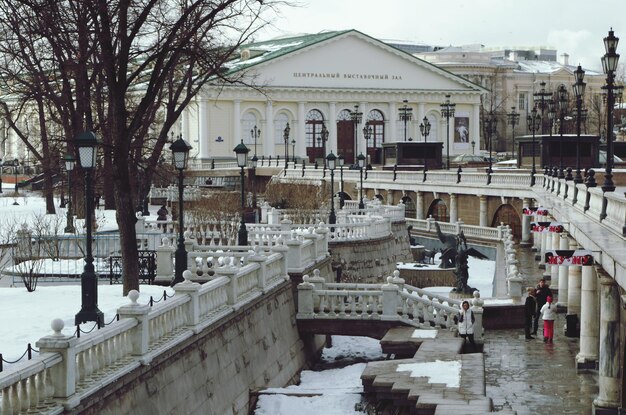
x=343, y=347
x=439, y=371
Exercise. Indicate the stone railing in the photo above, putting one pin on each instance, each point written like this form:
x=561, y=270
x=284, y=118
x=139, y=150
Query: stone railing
x=394, y=300
x=68, y=369
x=170, y=193
x=470, y=231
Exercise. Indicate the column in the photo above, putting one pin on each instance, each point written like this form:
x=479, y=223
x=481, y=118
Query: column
x=608, y=368
x=203, y=129
x=453, y=208
x=301, y=131
x=393, y=116
x=267, y=138
x=236, y=122
x=559, y=272
x=587, y=357
x=526, y=241
x=476, y=127
x=546, y=245
x=332, y=127
x=390, y=197
x=574, y=284
x=419, y=205
x=482, y=219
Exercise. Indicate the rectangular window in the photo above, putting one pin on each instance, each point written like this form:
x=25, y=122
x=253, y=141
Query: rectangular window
x=521, y=101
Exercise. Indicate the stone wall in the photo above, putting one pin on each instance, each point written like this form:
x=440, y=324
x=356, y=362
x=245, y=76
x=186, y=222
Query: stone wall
x=422, y=278
x=371, y=261
x=214, y=371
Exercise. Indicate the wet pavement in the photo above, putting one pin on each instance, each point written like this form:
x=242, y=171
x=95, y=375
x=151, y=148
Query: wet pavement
x=532, y=377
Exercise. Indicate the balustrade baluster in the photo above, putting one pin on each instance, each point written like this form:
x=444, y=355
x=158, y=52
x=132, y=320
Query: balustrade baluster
x=33, y=392
x=416, y=313
x=352, y=300
x=6, y=403
x=24, y=401
x=405, y=314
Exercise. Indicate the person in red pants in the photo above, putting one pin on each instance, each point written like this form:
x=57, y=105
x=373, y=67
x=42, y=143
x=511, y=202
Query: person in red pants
x=548, y=313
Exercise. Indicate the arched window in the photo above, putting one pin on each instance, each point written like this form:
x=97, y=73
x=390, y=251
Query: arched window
x=248, y=121
x=344, y=115
x=433, y=133
x=280, y=122
x=409, y=207
x=314, y=122
x=509, y=216
x=376, y=120
x=439, y=211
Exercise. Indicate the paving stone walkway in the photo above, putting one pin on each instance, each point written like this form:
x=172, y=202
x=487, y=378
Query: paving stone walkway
x=532, y=377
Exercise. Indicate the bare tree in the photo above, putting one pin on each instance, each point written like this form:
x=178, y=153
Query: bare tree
x=125, y=70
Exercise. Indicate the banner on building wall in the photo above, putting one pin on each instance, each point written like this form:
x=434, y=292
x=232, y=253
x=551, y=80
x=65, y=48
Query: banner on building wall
x=532, y=211
x=569, y=257
x=541, y=227
x=461, y=130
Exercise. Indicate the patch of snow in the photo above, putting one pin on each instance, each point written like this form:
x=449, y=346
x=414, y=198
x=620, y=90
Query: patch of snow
x=439, y=371
x=424, y=334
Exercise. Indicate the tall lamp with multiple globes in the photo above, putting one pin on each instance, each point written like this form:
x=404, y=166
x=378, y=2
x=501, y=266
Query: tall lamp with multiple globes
x=425, y=128
x=323, y=138
x=1, y=165
x=513, y=119
x=579, y=91
x=367, y=134
x=331, y=161
x=286, y=138
x=361, y=162
x=406, y=113
x=341, y=162
x=491, y=123
x=180, y=152
x=533, y=120
x=447, y=111
x=563, y=101
x=86, y=143
x=69, y=161
x=542, y=95
x=609, y=66
x=255, y=133
x=356, y=117
x=241, y=152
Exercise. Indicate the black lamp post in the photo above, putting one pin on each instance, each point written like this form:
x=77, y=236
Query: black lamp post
x=180, y=150
x=425, y=128
x=16, y=164
x=356, y=117
x=447, y=111
x=255, y=133
x=323, y=138
x=255, y=163
x=341, y=199
x=70, y=161
x=491, y=123
x=562, y=99
x=86, y=143
x=241, y=151
x=533, y=120
x=542, y=95
x=473, y=146
x=579, y=91
x=551, y=115
x=609, y=65
x=331, y=160
x=293, y=150
x=1, y=165
x=513, y=118
x=361, y=161
x=286, y=138
x=406, y=114
x=367, y=134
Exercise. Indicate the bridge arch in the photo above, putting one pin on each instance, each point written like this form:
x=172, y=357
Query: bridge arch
x=439, y=211
x=508, y=215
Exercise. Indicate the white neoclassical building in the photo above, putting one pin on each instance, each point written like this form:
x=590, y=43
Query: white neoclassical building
x=318, y=82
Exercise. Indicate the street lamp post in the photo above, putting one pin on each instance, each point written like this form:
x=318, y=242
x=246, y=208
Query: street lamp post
x=356, y=117
x=86, y=143
x=447, y=111
x=324, y=138
x=241, y=151
x=16, y=163
x=406, y=114
x=286, y=138
x=255, y=163
x=255, y=133
x=579, y=91
x=367, y=134
x=491, y=129
x=70, y=162
x=473, y=146
x=331, y=159
x=361, y=161
x=180, y=151
x=541, y=96
x=513, y=118
x=293, y=150
x=562, y=99
x=425, y=128
x=1, y=165
x=609, y=65
x=533, y=120
x=341, y=199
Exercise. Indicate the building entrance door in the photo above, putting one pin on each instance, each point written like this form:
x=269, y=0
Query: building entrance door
x=345, y=141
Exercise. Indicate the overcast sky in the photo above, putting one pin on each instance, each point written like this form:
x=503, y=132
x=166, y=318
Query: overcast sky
x=575, y=26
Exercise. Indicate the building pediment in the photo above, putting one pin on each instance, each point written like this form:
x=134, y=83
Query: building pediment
x=346, y=60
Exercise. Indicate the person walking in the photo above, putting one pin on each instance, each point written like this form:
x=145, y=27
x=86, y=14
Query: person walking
x=548, y=312
x=466, y=324
x=542, y=292
x=530, y=311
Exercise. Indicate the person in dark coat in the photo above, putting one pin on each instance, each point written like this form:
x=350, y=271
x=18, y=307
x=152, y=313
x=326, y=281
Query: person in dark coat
x=542, y=292
x=530, y=311
x=162, y=213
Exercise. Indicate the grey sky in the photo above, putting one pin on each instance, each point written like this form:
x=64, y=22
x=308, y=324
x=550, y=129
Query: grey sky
x=575, y=26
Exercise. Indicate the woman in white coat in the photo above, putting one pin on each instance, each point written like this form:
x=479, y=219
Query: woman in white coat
x=466, y=324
